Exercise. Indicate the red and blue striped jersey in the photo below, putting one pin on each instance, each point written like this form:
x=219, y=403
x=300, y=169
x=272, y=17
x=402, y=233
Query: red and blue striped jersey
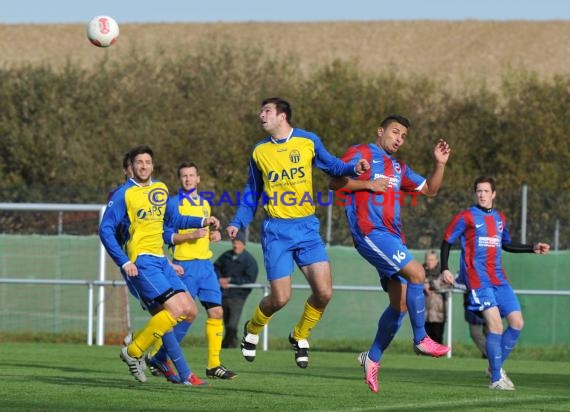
x=367, y=211
x=482, y=234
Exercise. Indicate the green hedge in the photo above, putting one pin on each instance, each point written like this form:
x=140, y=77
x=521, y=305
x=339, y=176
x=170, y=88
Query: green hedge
x=63, y=132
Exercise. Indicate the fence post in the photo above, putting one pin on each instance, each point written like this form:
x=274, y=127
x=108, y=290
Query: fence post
x=449, y=322
x=90, y=314
x=101, y=301
x=265, y=328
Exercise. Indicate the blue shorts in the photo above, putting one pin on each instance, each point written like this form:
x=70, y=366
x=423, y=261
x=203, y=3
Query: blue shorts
x=502, y=296
x=384, y=281
x=201, y=280
x=386, y=252
x=155, y=278
x=130, y=285
x=289, y=241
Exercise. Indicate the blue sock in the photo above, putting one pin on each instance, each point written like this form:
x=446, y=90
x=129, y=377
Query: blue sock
x=388, y=326
x=170, y=343
x=509, y=341
x=494, y=355
x=181, y=330
x=161, y=355
x=417, y=310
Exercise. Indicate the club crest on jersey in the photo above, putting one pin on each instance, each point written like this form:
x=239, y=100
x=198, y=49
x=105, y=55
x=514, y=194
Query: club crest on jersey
x=295, y=156
x=158, y=197
x=500, y=226
x=397, y=167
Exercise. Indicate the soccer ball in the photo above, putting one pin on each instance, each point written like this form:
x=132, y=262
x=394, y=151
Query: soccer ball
x=102, y=31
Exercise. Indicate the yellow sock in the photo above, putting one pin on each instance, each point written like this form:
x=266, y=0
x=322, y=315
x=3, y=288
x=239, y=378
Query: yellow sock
x=308, y=321
x=214, y=336
x=154, y=329
x=155, y=347
x=257, y=321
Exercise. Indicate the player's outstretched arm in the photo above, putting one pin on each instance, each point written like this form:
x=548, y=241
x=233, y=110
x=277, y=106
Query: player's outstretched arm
x=541, y=248
x=362, y=166
x=377, y=185
x=212, y=221
x=441, y=154
x=447, y=277
x=232, y=231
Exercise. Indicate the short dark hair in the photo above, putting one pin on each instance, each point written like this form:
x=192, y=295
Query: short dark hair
x=126, y=160
x=484, y=179
x=142, y=149
x=281, y=106
x=184, y=165
x=404, y=121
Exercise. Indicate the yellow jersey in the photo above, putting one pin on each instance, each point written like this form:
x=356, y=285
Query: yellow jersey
x=281, y=176
x=194, y=248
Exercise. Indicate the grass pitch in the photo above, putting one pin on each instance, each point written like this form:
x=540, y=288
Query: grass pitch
x=61, y=377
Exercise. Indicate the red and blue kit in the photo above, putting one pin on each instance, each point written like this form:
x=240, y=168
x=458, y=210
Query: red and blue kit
x=367, y=211
x=374, y=218
x=482, y=234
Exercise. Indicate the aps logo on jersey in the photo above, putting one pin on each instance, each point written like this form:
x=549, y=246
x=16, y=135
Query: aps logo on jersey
x=288, y=174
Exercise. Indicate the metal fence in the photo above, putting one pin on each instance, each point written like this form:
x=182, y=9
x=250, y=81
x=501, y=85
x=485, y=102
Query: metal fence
x=97, y=316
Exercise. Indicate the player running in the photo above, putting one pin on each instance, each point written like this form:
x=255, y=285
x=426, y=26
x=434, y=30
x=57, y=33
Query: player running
x=191, y=250
x=142, y=202
x=483, y=234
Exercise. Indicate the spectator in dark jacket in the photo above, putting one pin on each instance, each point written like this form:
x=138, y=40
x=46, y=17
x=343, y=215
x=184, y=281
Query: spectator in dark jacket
x=236, y=267
x=435, y=297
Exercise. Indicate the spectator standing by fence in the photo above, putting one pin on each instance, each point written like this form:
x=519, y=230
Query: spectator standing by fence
x=235, y=267
x=435, y=296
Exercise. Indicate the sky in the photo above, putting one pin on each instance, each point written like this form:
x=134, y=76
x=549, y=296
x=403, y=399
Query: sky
x=170, y=11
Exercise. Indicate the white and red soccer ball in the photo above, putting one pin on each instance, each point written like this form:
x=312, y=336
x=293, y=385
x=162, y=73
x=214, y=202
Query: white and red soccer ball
x=102, y=31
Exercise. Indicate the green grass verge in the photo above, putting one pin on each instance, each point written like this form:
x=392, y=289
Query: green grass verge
x=62, y=377
x=398, y=346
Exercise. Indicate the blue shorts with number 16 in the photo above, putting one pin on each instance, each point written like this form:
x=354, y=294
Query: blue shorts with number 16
x=385, y=251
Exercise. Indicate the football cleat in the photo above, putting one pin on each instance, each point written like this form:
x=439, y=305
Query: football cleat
x=501, y=385
x=220, y=372
x=371, y=374
x=362, y=357
x=193, y=380
x=136, y=366
x=166, y=369
x=504, y=377
x=249, y=344
x=301, y=348
x=429, y=347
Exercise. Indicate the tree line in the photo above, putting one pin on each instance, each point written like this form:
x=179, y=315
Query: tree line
x=63, y=132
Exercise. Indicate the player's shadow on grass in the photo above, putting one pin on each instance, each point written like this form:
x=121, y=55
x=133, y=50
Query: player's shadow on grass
x=451, y=377
x=35, y=366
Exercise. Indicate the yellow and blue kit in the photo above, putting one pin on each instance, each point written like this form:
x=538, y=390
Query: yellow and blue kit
x=145, y=208
x=194, y=255
x=280, y=174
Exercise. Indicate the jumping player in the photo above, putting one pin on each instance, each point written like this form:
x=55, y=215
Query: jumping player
x=281, y=169
x=373, y=213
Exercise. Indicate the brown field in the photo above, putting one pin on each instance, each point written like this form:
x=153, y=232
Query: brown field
x=451, y=51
